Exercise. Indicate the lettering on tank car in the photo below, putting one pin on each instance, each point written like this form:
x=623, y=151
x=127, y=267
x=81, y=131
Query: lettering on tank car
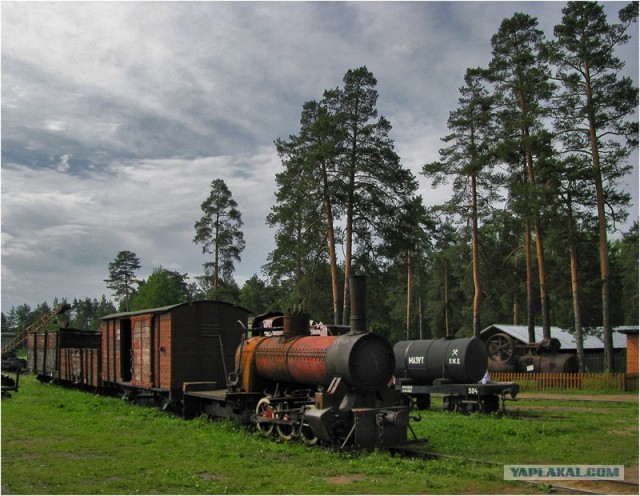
x=454, y=359
x=416, y=360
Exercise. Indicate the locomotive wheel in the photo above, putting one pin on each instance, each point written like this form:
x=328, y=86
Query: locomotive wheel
x=500, y=348
x=265, y=410
x=307, y=435
x=285, y=431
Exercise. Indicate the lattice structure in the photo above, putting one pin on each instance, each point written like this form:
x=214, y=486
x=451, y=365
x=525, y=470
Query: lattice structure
x=21, y=337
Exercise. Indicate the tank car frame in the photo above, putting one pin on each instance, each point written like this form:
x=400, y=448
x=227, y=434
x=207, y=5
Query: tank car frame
x=463, y=398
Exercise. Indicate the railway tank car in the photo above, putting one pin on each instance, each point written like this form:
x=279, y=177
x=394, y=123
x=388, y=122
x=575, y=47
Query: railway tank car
x=332, y=389
x=454, y=368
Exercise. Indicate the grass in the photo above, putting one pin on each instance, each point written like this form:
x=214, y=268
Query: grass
x=60, y=441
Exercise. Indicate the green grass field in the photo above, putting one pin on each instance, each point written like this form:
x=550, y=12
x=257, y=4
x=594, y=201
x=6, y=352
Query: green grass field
x=61, y=441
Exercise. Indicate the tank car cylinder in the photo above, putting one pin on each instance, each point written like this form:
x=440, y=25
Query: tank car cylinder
x=458, y=360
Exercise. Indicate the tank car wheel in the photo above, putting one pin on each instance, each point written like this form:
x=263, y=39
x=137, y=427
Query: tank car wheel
x=265, y=410
x=451, y=404
x=500, y=347
x=491, y=404
x=423, y=402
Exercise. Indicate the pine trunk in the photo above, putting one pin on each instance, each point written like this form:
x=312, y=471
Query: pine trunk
x=529, y=264
x=349, y=234
x=544, y=300
x=602, y=230
x=476, y=265
x=408, y=292
x=335, y=294
x=331, y=242
x=347, y=272
x=447, y=329
x=575, y=292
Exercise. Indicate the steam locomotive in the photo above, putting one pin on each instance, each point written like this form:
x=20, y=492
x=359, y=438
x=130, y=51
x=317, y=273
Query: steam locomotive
x=331, y=389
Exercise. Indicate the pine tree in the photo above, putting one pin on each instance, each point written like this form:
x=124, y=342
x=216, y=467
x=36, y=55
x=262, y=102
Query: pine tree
x=218, y=231
x=308, y=203
x=522, y=87
x=374, y=184
x=122, y=277
x=467, y=160
x=596, y=112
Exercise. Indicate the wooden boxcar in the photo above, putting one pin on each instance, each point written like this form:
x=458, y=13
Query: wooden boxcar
x=65, y=354
x=157, y=350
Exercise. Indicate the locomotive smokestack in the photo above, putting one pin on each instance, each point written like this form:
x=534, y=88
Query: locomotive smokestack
x=358, y=295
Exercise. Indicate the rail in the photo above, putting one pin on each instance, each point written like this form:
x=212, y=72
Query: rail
x=21, y=337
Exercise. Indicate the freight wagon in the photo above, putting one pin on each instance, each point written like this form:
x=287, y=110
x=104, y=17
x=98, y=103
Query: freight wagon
x=154, y=352
x=65, y=354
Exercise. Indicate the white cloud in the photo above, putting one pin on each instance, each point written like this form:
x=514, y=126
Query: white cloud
x=63, y=163
x=68, y=224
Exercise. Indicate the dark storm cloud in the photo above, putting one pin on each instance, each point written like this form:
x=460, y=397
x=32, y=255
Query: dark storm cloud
x=117, y=116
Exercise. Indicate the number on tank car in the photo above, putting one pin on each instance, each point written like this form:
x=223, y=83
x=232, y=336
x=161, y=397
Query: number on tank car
x=472, y=390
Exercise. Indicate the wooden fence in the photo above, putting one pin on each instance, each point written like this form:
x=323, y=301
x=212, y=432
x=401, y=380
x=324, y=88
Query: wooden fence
x=561, y=382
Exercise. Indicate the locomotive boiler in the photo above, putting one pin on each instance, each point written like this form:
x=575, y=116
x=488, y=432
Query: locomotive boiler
x=454, y=368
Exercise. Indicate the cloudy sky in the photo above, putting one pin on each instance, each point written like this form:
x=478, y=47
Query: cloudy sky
x=116, y=117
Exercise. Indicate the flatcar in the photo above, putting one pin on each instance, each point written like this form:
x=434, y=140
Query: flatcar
x=454, y=368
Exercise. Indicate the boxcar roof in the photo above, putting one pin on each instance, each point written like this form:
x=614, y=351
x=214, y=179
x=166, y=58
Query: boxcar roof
x=168, y=308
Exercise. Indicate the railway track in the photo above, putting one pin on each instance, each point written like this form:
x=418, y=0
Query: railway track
x=592, y=487
x=417, y=449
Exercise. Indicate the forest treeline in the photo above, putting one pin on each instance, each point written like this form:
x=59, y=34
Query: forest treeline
x=538, y=146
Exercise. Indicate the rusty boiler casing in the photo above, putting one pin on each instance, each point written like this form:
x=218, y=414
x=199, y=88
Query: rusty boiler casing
x=364, y=361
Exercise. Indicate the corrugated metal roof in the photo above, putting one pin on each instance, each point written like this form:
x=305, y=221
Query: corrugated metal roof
x=567, y=340
x=627, y=329
x=166, y=309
